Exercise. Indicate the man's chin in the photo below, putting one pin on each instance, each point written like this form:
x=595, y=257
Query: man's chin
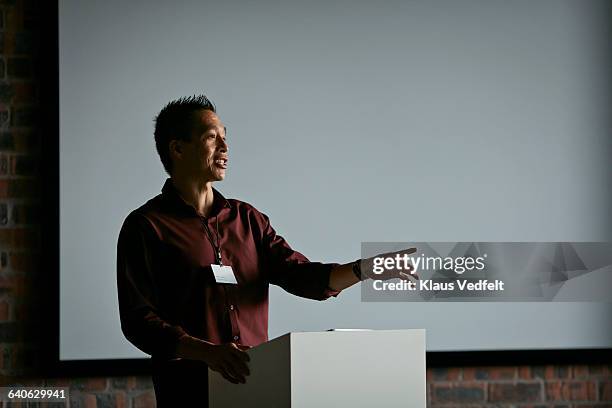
x=214, y=174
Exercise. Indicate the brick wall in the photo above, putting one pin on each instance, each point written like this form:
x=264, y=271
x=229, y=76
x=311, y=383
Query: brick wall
x=575, y=386
x=26, y=307
x=19, y=185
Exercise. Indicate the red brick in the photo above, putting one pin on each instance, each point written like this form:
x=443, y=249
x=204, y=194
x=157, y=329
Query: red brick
x=489, y=373
x=580, y=371
x=539, y=405
x=6, y=237
x=458, y=393
x=4, y=188
x=443, y=374
x=6, y=44
x=144, y=400
x=599, y=371
x=89, y=401
x=96, y=384
x=605, y=391
x=12, y=283
x=131, y=383
x=515, y=392
x=89, y=384
x=121, y=400
x=4, y=311
x=524, y=372
x=551, y=372
x=571, y=391
x=139, y=383
x=19, y=237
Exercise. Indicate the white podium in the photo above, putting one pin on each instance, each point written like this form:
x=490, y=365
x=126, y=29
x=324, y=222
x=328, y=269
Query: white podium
x=370, y=368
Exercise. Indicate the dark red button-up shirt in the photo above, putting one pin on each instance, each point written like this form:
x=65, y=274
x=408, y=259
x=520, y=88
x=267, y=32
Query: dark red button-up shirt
x=166, y=286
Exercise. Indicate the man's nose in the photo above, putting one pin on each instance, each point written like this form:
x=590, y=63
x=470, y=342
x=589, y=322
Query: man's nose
x=222, y=145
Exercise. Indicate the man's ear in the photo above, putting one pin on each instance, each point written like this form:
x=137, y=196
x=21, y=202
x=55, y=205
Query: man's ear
x=175, y=148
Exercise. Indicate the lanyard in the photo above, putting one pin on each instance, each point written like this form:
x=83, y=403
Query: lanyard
x=216, y=243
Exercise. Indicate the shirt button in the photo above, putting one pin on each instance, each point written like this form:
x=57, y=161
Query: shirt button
x=235, y=337
x=231, y=307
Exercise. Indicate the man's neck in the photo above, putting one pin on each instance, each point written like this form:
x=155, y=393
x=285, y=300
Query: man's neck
x=196, y=193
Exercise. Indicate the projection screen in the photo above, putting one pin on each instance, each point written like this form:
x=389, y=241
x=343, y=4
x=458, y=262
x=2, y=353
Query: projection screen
x=348, y=122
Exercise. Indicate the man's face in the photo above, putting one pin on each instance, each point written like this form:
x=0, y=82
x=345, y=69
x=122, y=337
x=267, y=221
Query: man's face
x=205, y=156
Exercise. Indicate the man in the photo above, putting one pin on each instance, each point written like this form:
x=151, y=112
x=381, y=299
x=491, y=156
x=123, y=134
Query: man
x=173, y=251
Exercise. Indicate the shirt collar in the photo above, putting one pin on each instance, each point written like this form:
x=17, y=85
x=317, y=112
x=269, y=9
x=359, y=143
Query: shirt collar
x=170, y=193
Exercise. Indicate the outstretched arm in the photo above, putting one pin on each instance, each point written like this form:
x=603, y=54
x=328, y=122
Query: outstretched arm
x=342, y=277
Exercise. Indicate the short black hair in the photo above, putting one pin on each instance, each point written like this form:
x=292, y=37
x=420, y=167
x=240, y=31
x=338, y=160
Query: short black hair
x=175, y=121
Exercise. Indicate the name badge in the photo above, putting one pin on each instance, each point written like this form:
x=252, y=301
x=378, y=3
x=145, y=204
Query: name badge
x=224, y=274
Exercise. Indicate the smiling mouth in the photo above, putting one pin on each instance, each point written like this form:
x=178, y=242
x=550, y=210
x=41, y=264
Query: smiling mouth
x=222, y=162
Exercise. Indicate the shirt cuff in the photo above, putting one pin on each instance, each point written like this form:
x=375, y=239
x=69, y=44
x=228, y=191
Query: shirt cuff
x=329, y=292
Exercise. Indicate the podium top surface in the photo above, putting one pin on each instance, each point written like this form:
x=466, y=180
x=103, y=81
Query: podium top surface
x=349, y=332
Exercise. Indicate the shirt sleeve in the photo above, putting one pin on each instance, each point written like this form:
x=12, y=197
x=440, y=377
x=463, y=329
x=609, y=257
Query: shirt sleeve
x=141, y=321
x=291, y=270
